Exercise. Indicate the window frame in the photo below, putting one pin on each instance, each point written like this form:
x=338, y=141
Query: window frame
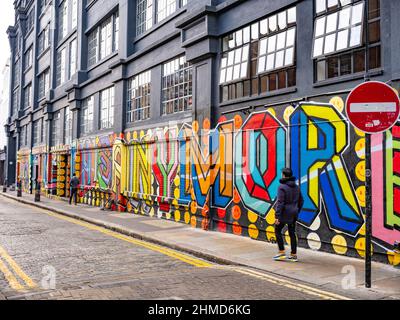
x=260, y=82
x=27, y=99
x=337, y=29
x=55, y=129
x=36, y=136
x=353, y=53
x=87, y=116
x=68, y=120
x=171, y=78
x=107, y=122
x=143, y=88
x=96, y=33
x=45, y=77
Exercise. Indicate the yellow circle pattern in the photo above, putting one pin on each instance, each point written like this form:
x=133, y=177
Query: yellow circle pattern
x=360, y=148
x=339, y=244
x=271, y=216
x=252, y=217
x=253, y=231
x=177, y=216
x=338, y=103
x=360, y=192
x=270, y=232
x=288, y=112
x=360, y=171
x=187, y=217
x=360, y=247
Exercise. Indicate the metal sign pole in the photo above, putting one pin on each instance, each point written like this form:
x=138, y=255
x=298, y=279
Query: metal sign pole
x=368, y=211
x=368, y=204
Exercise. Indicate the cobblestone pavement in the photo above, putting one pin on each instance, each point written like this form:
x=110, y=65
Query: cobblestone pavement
x=89, y=264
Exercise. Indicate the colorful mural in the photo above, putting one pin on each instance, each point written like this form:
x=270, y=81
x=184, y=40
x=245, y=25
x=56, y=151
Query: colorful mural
x=226, y=178
x=24, y=167
x=386, y=185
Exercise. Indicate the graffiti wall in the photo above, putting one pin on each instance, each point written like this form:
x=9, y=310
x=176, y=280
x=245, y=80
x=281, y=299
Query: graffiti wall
x=226, y=178
x=24, y=173
x=93, y=165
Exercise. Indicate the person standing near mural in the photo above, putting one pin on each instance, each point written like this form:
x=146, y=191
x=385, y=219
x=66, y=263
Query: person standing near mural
x=74, y=189
x=289, y=203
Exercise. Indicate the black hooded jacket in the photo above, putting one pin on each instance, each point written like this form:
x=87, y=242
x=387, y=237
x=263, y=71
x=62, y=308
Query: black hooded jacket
x=290, y=201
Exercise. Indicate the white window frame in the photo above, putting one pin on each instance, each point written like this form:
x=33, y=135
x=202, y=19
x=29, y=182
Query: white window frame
x=105, y=39
x=321, y=38
x=61, y=66
x=107, y=102
x=137, y=109
x=270, y=49
x=73, y=55
x=87, y=116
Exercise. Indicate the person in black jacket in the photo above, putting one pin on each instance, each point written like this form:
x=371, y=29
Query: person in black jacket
x=288, y=206
x=74, y=184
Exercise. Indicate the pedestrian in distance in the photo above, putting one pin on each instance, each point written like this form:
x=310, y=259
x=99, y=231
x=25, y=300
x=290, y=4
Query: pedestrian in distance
x=288, y=206
x=74, y=184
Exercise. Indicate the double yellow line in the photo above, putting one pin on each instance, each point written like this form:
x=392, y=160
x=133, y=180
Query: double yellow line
x=24, y=282
x=321, y=294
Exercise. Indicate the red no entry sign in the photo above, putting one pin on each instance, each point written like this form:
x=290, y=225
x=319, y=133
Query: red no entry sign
x=373, y=107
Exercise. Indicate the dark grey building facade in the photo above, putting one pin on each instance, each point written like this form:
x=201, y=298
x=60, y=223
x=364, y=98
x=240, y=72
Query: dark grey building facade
x=116, y=91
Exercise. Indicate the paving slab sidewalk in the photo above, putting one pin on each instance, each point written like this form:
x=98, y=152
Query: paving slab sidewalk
x=320, y=269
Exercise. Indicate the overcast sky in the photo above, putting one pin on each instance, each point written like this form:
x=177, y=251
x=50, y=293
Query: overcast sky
x=6, y=19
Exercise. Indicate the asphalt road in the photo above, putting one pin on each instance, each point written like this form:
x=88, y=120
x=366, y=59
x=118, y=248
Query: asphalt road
x=44, y=255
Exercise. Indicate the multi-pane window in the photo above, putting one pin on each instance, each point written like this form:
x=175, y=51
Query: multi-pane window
x=234, y=65
x=339, y=30
x=107, y=108
x=15, y=101
x=165, y=8
x=44, y=83
x=260, y=57
x=61, y=67
x=44, y=39
x=277, y=51
x=28, y=58
x=72, y=58
x=139, y=90
x=144, y=16
x=74, y=13
x=43, y=131
x=63, y=20
x=106, y=38
x=36, y=132
x=67, y=126
x=30, y=20
x=87, y=117
x=339, y=39
x=55, y=129
x=17, y=70
x=93, y=47
x=176, y=86
x=116, y=32
x=23, y=136
x=27, y=96
x=103, y=40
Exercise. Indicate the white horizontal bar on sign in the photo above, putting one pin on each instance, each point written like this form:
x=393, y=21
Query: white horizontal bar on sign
x=366, y=107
